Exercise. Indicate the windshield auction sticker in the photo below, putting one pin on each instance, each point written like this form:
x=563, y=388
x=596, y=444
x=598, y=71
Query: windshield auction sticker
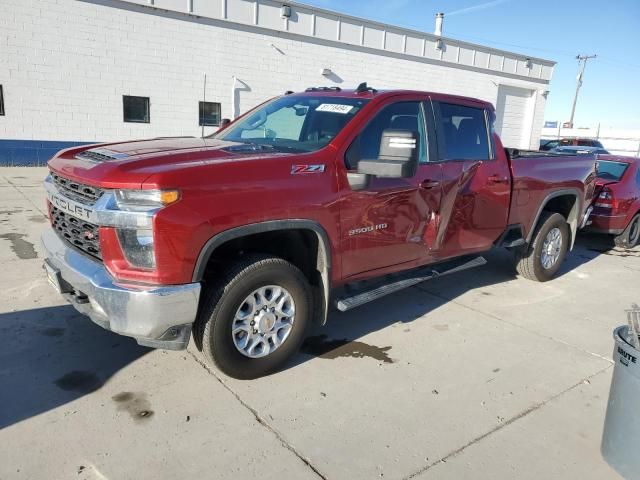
x=334, y=108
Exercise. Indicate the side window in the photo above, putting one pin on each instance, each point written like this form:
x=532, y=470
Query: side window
x=462, y=133
x=397, y=116
x=638, y=177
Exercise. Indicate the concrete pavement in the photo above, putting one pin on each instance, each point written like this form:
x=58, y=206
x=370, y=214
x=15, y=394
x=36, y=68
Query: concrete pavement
x=477, y=375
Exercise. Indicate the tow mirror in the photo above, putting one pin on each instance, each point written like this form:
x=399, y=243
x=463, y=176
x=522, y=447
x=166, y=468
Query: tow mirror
x=398, y=156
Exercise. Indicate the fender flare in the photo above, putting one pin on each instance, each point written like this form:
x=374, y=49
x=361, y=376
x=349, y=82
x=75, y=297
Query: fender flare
x=574, y=215
x=323, y=261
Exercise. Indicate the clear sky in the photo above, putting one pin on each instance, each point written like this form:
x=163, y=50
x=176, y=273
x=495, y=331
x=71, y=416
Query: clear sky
x=556, y=30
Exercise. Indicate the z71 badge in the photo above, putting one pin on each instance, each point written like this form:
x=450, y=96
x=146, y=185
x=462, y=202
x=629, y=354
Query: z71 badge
x=304, y=169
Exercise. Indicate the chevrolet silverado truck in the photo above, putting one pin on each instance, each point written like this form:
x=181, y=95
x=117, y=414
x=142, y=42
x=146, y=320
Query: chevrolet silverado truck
x=312, y=200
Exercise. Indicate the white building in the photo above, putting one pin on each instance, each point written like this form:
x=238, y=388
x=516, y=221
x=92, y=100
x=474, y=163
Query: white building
x=68, y=68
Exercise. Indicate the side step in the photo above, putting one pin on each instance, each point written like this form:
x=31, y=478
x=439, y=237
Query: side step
x=406, y=280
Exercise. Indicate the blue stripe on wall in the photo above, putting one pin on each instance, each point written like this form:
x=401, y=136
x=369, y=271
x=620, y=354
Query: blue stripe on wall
x=31, y=153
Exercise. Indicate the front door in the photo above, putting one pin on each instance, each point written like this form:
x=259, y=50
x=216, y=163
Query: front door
x=390, y=223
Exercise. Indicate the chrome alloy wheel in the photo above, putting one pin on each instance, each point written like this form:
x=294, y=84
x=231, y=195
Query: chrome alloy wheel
x=264, y=321
x=551, y=248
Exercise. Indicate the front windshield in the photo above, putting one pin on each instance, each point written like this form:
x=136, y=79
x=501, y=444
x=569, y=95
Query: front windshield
x=296, y=124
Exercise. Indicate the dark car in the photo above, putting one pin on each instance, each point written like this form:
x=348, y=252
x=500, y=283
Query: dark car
x=617, y=208
x=572, y=150
x=546, y=144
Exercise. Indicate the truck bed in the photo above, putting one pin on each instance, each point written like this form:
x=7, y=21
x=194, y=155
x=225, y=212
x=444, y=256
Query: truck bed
x=538, y=176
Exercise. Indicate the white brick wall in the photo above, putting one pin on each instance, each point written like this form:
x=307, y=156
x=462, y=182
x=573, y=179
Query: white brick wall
x=65, y=65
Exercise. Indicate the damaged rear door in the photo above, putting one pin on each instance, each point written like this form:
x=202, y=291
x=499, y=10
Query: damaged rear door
x=476, y=183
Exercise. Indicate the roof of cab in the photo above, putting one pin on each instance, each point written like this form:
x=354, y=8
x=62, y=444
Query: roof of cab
x=372, y=93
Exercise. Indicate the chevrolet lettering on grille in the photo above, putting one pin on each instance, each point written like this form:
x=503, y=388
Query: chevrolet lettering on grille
x=69, y=206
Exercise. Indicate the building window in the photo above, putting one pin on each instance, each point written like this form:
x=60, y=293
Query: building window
x=209, y=114
x=136, y=109
x=1, y=101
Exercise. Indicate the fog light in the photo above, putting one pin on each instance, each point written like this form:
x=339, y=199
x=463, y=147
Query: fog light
x=137, y=246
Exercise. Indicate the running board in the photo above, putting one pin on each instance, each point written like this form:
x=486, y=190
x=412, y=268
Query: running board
x=417, y=276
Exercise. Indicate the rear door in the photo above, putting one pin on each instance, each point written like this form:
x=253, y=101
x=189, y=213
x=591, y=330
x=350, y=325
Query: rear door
x=388, y=223
x=476, y=184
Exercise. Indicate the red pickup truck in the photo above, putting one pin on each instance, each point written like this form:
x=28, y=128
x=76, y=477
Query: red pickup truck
x=245, y=238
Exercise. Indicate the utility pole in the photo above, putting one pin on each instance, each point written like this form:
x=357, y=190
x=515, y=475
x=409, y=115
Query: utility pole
x=582, y=59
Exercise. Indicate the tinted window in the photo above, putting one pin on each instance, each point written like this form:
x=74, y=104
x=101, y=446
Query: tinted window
x=209, y=113
x=463, y=133
x=294, y=123
x=135, y=109
x=610, y=170
x=638, y=177
x=397, y=116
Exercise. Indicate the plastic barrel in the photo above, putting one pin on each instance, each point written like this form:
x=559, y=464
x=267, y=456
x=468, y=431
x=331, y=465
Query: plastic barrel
x=621, y=437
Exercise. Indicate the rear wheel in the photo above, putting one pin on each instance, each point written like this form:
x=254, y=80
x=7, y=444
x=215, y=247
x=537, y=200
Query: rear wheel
x=542, y=258
x=631, y=235
x=255, y=317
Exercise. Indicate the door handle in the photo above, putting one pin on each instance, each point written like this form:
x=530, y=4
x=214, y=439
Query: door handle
x=428, y=184
x=498, y=179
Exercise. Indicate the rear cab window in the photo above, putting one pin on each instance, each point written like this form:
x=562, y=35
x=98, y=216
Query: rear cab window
x=463, y=132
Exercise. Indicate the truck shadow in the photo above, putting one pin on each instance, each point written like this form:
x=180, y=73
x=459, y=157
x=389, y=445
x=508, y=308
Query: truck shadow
x=341, y=336
x=52, y=356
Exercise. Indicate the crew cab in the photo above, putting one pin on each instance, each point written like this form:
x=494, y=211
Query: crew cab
x=245, y=238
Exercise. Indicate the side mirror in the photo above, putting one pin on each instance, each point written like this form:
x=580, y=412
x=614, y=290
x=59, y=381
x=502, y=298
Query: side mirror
x=224, y=122
x=398, y=156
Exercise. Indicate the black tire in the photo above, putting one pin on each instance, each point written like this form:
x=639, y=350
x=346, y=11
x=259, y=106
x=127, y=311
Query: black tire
x=223, y=298
x=529, y=258
x=631, y=235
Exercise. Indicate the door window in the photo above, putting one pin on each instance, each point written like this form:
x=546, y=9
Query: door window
x=462, y=133
x=397, y=116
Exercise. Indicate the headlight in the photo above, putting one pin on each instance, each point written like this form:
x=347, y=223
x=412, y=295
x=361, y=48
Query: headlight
x=137, y=246
x=145, y=199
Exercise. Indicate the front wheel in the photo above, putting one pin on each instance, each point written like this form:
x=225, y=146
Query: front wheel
x=541, y=260
x=631, y=235
x=254, y=318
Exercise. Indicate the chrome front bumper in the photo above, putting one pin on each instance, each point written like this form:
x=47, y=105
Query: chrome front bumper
x=159, y=317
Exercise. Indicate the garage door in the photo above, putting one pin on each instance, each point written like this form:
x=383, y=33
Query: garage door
x=514, y=116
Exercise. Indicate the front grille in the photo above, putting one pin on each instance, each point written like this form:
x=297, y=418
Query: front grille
x=77, y=232
x=77, y=191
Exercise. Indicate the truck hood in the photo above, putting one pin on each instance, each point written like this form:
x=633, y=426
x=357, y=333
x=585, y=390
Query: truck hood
x=120, y=151
x=128, y=164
